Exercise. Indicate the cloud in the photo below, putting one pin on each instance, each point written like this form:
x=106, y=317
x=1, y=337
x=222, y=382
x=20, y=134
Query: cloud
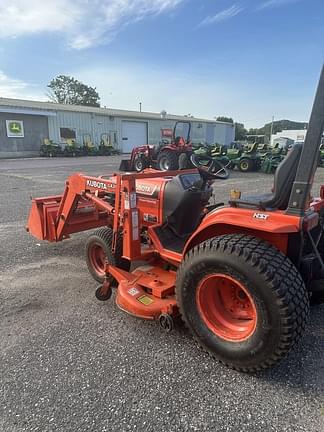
x=275, y=3
x=139, y=85
x=15, y=88
x=198, y=91
x=84, y=23
x=222, y=15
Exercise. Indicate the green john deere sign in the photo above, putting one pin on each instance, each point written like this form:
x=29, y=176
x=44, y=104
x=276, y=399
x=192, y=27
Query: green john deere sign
x=15, y=128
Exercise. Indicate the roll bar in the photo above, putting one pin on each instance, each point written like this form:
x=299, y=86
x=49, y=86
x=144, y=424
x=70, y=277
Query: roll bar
x=308, y=160
x=182, y=122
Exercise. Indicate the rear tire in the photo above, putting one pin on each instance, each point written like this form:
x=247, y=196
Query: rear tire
x=167, y=160
x=243, y=301
x=183, y=161
x=98, y=248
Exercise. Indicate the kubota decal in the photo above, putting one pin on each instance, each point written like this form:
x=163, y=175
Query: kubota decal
x=99, y=185
x=145, y=189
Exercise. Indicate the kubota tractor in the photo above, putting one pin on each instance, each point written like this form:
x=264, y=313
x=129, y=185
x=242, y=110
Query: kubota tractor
x=165, y=156
x=240, y=275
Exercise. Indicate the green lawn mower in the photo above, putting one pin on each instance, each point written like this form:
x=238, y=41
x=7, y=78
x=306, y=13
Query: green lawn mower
x=272, y=158
x=216, y=151
x=105, y=146
x=72, y=149
x=263, y=149
x=50, y=149
x=244, y=160
x=89, y=147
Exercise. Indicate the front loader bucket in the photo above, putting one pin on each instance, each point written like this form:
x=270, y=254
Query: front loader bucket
x=41, y=220
x=47, y=211
x=125, y=165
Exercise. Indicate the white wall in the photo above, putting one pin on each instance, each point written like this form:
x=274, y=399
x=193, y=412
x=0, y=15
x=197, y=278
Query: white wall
x=296, y=135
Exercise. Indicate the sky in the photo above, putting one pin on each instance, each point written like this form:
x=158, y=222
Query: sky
x=247, y=59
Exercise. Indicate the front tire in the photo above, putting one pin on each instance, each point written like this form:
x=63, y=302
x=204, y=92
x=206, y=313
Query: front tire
x=167, y=161
x=98, y=250
x=243, y=301
x=246, y=165
x=139, y=163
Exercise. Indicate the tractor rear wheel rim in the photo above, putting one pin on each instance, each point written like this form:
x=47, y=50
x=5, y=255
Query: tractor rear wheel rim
x=226, y=307
x=97, y=258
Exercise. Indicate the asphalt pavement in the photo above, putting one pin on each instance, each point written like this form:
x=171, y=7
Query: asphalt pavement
x=71, y=363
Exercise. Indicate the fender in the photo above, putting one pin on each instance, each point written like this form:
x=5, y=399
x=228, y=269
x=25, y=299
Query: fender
x=272, y=226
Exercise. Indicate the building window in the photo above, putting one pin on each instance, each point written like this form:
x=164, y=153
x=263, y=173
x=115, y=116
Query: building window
x=67, y=133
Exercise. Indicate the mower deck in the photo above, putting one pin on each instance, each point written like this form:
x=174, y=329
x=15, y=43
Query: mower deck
x=147, y=292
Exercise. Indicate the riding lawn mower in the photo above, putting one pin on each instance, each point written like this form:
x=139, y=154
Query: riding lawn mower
x=50, y=149
x=105, y=147
x=73, y=149
x=241, y=275
x=245, y=160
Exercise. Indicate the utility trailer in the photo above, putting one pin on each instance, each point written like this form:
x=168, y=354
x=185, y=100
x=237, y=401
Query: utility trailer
x=240, y=275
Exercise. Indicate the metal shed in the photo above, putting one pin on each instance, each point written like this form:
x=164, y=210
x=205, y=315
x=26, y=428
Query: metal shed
x=126, y=129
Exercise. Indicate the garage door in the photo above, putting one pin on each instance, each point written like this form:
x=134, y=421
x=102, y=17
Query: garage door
x=133, y=134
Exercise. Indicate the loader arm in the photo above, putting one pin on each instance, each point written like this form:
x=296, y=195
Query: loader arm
x=84, y=206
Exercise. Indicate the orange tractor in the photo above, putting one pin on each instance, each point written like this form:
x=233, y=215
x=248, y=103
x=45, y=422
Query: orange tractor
x=240, y=275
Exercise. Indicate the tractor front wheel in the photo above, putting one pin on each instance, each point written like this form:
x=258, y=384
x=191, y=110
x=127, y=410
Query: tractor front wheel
x=140, y=163
x=246, y=165
x=98, y=251
x=243, y=301
x=168, y=160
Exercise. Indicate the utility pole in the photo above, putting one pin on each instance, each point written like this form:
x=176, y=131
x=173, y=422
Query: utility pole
x=271, y=130
x=140, y=104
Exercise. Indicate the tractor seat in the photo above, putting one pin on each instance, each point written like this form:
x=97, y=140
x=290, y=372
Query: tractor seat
x=252, y=149
x=283, y=182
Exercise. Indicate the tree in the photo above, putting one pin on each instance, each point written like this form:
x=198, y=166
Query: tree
x=67, y=90
x=240, y=132
x=253, y=131
x=278, y=126
x=225, y=119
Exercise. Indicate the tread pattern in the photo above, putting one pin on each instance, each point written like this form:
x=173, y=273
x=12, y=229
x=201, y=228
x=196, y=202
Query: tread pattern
x=106, y=235
x=281, y=275
x=173, y=158
x=142, y=159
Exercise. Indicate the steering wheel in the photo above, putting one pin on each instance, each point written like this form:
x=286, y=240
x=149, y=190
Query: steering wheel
x=209, y=168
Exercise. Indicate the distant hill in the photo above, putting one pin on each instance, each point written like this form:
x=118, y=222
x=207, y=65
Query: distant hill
x=278, y=126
